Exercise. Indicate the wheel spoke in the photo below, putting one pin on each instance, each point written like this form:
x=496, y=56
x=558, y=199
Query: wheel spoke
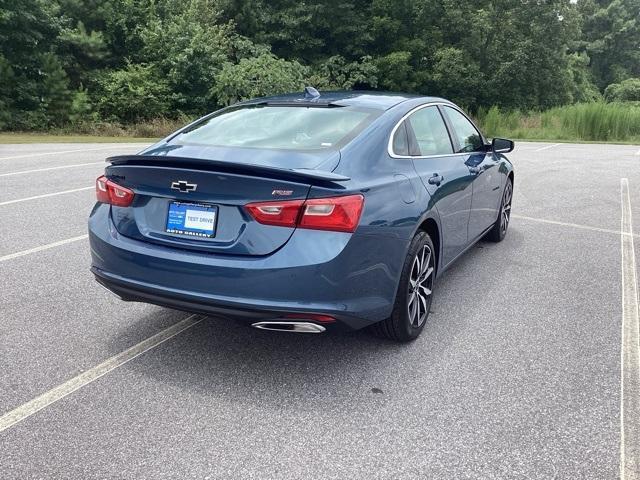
x=426, y=290
x=425, y=261
x=416, y=267
x=413, y=306
x=426, y=274
x=423, y=304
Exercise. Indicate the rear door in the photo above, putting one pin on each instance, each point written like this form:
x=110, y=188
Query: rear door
x=444, y=175
x=482, y=166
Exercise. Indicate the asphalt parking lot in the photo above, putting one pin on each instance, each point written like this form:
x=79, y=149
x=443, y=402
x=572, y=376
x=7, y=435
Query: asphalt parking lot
x=517, y=375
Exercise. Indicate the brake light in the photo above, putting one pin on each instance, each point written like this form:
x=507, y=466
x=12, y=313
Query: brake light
x=282, y=214
x=112, y=193
x=339, y=214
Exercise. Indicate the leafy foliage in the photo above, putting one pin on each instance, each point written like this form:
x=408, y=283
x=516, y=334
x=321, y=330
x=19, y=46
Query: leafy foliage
x=72, y=62
x=133, y=93
x=257, y=77
x=627, y=90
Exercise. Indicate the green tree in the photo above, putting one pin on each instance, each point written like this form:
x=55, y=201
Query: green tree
x=134, y=93
x=625, y=91
x=611, y=38
x=55, y=97
x=335, y=73
x=189, y=49
x=256, y=77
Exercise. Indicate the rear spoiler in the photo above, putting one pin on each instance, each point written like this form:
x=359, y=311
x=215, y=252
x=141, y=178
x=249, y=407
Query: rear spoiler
x=295, y=174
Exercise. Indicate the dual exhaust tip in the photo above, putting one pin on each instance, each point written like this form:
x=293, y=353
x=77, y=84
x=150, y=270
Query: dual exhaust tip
x=289, y=326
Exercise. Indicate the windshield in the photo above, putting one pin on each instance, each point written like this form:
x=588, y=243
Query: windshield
x=280, y=127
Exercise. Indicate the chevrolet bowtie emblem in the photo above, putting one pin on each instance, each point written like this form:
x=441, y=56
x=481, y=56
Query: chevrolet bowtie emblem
x=183, y=186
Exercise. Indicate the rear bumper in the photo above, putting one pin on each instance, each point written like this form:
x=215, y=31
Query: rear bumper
x=350, y=277
x=138, y=292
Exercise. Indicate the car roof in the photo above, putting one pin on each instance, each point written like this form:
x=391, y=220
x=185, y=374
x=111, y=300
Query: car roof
x=366, y=99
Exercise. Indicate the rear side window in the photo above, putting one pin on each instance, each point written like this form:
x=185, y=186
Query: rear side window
x=401, y=141
x=469, y=139
x=430, y=132
x=280, y=127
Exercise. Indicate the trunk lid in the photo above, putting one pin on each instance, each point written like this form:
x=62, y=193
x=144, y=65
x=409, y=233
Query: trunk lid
x=195, y=184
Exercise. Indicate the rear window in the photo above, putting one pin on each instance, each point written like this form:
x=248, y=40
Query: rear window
x=280, y=127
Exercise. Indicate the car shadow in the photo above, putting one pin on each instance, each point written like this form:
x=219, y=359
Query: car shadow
x=226, y=359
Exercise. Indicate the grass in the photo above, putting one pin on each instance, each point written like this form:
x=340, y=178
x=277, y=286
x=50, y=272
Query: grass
x=10, y=137
x=96, y=132
x=582, y=122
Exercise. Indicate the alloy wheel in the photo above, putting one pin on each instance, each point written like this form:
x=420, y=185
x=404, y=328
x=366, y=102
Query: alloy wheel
x=420, y=286
x=505, y=215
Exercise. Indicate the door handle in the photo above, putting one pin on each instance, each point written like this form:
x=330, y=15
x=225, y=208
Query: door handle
x=436, y=179
x=476, y=170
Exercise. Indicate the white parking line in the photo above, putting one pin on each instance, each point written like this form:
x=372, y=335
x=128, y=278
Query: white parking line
x=638, y=152
x=110, y=147
x=548, y=147
x=630, y=348
x=573, y=225
x=21, y=172
x=42, y=247
x=26, y=410
x=9, y=202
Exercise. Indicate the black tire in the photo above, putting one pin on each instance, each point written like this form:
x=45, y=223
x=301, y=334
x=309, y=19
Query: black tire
x=412, y=304
x=499, y=230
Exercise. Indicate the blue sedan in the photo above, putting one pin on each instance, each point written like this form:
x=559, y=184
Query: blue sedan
x=303, y=212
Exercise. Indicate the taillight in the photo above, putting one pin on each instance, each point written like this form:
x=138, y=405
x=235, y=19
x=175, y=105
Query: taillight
x=339, y=214
x=112, y=193
x=282, y=214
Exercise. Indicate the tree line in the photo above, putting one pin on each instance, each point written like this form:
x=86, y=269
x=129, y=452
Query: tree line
x=69, y=62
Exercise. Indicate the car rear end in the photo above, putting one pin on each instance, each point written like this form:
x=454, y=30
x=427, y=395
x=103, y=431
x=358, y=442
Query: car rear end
x=247, y=224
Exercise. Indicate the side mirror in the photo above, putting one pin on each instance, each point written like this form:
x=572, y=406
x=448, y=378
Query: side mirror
x=502, y=145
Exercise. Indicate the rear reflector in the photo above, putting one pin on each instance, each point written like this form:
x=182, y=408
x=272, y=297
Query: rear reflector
x=338, y=214
x=314, y=317
x=112, y=193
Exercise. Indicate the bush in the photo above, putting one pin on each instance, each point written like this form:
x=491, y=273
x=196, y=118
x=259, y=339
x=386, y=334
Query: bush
x=336, y=73
x=628, y=90
x=257, y=77
x=133, y=94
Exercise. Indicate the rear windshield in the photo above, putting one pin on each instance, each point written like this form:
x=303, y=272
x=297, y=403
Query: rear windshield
x=280, y=127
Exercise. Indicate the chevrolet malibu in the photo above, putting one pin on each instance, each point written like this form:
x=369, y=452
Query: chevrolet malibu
x=303, y=212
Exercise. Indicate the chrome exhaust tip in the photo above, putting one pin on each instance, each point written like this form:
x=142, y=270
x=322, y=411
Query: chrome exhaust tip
x=284, y=326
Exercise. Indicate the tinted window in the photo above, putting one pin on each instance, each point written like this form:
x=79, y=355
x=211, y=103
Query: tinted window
x=281, y=127
x=401, y=141
x=430, y=132
x=468, y=137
